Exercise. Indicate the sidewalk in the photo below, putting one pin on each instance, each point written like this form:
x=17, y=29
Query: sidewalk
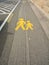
x=43, y=19
x=41, y=9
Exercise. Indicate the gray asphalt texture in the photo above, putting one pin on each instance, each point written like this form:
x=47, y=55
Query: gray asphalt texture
x=24, y=47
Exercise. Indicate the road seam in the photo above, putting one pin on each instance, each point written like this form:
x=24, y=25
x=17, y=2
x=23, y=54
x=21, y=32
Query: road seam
x=27, y=47
x=27, y=50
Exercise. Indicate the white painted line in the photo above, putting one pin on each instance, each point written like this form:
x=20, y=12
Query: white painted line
x=2, y=11
x=4, y=4
x=9, y=15
x=9, y=5
x=5, y=9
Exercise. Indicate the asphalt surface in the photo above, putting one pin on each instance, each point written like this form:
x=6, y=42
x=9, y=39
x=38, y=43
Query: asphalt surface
x=24, y=47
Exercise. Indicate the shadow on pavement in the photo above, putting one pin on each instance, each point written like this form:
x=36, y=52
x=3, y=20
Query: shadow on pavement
x=1, y=22
x=3, y=36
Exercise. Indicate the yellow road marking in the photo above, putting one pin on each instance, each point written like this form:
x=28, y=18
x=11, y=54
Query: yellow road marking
x=25, y=25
